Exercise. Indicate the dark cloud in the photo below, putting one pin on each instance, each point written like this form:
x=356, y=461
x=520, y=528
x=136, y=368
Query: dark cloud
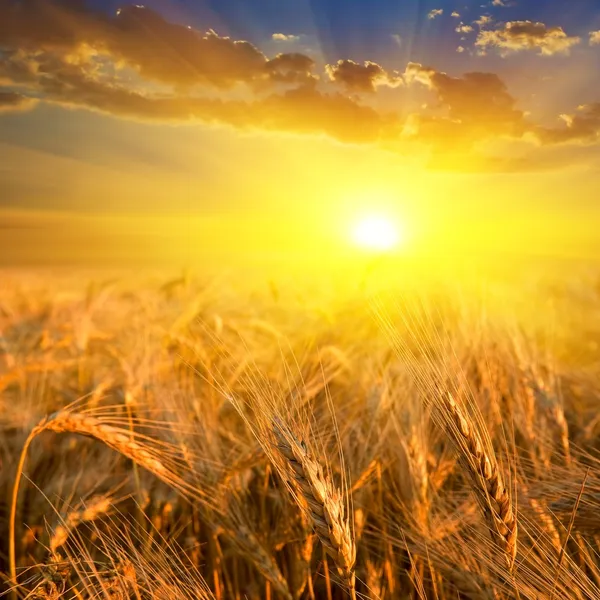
x=51, y=26
x=516, y=36
x=11, y=102
x=355, y=77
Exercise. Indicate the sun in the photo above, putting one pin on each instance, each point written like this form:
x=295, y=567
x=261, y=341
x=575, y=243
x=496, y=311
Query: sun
x=378, y=233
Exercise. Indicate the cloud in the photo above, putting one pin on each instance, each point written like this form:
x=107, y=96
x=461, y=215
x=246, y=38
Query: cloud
x=583, y=127
x=14, y=102
x=483, y=21
x=417, y=72
x=355, y=77
x=455, y=14
x=333, y=114
x=300, y=110
x=460, y=49
x=64, y=53
x=136, y=37
x=477, y=106
x=137, y=65
x=282, y=37
x=462, y=28
x=499, y=3
x=291, y=67
x=517, y=36
x=174, y=54
x=594, y=38
x=436, y=12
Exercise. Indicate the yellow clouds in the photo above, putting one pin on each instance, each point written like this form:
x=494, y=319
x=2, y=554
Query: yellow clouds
x=594, y=38
x=516, y=36
x=59, y=34
x=483, y=21
x=136, y=64
x=475, y=107
x=462, y=28
x=478, y=107
x=361, y=78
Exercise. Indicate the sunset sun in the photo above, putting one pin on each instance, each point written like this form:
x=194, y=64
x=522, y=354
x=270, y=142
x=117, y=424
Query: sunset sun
x=377, y=233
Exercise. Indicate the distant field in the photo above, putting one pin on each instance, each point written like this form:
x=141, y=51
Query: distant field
x=383, y=432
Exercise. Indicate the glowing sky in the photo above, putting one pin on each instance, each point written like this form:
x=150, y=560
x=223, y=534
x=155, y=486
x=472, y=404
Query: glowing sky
x=482, y=110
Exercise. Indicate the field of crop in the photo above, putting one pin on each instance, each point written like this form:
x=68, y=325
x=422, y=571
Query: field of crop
x=173, y=438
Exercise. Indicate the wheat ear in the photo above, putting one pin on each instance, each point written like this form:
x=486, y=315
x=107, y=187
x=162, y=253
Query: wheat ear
x=322, y=502
x=92, y=510
x=263, y=561
x=486, y=477
x=66, y=421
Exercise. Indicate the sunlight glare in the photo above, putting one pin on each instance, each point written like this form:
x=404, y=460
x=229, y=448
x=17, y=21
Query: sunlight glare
x=376, y=232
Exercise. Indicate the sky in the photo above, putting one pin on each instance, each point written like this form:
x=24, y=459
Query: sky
x=216, y=124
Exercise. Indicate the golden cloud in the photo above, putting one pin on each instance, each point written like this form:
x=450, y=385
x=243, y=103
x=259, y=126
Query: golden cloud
x=300, y=110
x=517, y=36
x=355, y=77
x=282, y=37
x=483, y=21
x=462, y=28
x=477, y=106
x=138, y=65
x=417, y=72
x=136, y=37
x=291, y=67
x=436, y=12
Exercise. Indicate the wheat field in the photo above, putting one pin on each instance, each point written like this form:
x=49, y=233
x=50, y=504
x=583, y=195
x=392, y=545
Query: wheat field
x=178, y=437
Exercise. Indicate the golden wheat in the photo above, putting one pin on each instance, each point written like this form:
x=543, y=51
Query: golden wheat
x=489, y=486
x=322, y=501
